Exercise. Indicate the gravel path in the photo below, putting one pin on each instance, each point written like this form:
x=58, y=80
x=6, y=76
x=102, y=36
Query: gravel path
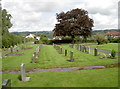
x=58, y=69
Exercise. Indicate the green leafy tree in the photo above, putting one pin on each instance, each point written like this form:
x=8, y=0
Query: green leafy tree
x=8, y=39
x=44, y=39
x=101, y=38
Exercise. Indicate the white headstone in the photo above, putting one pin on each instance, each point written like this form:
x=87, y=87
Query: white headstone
x=33, y=58
x=23, y=76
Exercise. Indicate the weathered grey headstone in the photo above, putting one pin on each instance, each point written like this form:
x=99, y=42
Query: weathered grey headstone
x=11, y=49
x=80, y=47
x=95, y=52
x=6, y=84
x=60, y=50
x=23, y=75
x=71, y=56
x=88, y=50
x=53, y=44
x=72, y=45
x=65, y=52
x=77, y=46
x=3, y=53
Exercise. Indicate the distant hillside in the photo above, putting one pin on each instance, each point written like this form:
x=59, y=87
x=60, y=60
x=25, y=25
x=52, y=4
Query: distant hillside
x=50, y=33
x=104, y=31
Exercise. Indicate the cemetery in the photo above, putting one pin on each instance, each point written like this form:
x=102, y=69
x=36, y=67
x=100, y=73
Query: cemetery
x=56, y=60
x=60, y=49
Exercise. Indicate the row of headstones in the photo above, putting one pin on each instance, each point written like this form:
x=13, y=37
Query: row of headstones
x=60, y=50
x=35, y=55
x=12, y=49
x=9, y=50
x=85, y=49
x=7, y=82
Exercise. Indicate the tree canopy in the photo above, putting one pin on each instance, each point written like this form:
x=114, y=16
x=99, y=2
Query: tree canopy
x=73, y=23
x=8, y=39
x=6, y=21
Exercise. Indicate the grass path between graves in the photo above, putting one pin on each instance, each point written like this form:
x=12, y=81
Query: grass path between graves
x=79, y=78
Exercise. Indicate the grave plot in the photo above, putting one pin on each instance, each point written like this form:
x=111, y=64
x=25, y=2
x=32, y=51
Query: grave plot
x=102, y=54
x=108, y=46
x=35, y=55
x=14, y=50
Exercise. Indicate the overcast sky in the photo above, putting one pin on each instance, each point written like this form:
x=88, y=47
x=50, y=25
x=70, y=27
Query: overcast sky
x=40, y=15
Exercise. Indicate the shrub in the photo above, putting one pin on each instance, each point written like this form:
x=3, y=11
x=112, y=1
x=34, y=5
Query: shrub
x=113, y=54
x=36, y=42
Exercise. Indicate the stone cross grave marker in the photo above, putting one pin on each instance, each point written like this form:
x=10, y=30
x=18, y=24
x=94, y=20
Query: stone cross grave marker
x=23, y=75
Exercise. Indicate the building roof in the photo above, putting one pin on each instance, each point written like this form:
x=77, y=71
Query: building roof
x=113, y=33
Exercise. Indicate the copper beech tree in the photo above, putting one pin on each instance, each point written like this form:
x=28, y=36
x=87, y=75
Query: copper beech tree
x=73, y=23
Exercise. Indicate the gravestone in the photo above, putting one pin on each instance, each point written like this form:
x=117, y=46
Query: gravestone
x=60, y=50
x=23, y=75
x=53, y=44
x=95, y=52
x=33, y=58
x=11, y=49
x=85, y=49
x=3, y=53
x=6, y=84
x=76, y=46
x=35, y=54
x=88, y=50
x=72, y=45
x=71, y=56
x=65, y=52
x=80, y=47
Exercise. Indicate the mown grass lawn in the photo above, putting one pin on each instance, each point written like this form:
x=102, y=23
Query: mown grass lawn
x=108, y=46
x=80, y=78
x=50, y=58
